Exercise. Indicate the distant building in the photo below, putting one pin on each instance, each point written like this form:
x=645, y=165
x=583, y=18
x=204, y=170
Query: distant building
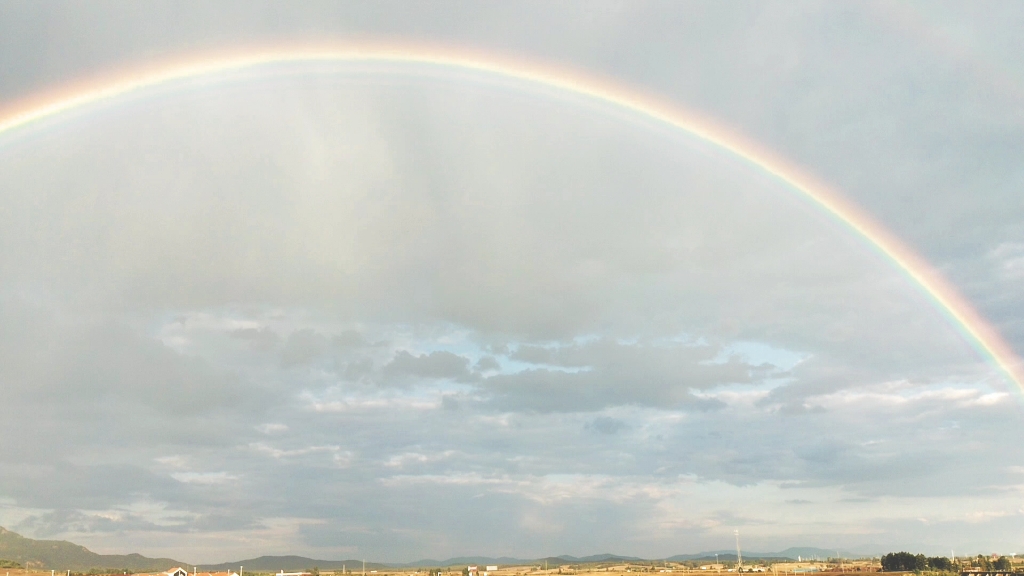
x=182, y=572
x=178, y=571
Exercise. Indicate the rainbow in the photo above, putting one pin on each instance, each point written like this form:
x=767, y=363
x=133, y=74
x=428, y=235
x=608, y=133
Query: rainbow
x=960, y=313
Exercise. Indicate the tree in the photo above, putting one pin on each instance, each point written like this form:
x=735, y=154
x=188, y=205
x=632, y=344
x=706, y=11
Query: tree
x=903, y=562
x=940, y=563
x=1002, y=563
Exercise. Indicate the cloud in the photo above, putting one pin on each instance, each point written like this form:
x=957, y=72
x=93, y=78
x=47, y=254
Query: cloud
x=303, y=346
x=263, y=339
x=487, y=364
x=272, y=428
x=602, y=373
x=209, y=478
x=104, y=363
x=607, y=425
x=350, y=339
x=279, y=453
x=65, y=521
x=433, y=365
x=56, y=484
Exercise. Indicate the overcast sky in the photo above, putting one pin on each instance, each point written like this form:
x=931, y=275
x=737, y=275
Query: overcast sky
x=390, y=315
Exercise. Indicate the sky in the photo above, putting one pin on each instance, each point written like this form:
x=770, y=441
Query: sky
x=393, y=313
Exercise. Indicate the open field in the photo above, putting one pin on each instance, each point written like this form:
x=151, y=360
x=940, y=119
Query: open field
x=619, y=569
x=615, y=570
x=786, y=568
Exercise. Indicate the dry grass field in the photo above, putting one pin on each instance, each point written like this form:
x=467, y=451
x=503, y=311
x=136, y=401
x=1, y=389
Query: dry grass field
x=780, y=569
x=28, y=572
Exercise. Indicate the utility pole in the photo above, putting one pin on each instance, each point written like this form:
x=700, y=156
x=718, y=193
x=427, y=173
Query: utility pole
x=364, y=566
x=739, y=556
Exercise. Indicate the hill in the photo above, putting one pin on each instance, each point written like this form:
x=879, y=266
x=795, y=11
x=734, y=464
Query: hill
x=599, y=558
x=63, y=555
x=460, y=560
x=819, y=553
x=506, y=561
x=787, y=554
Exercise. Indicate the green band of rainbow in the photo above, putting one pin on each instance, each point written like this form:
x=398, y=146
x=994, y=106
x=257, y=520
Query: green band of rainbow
x=958, y=310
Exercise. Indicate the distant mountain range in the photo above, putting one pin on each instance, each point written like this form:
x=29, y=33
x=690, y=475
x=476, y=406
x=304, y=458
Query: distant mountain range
x=723, y=555
x=63, y=555
x=277, y=563
x=505, y=561
x=787, y=554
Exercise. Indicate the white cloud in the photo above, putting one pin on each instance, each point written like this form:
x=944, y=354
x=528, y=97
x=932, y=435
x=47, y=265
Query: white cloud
x=1008, y=258
x=204, y=477
x=279, y=453
x=272, y=428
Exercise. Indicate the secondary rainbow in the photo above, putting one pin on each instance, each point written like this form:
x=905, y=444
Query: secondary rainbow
x=946, y=298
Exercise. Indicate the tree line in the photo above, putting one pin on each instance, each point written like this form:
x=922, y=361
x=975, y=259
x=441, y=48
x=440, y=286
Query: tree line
x=907, y=562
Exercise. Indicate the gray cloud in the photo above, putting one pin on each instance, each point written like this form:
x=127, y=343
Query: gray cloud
x=65, y=486
x=433, y=365
x=605, y=373
x=487, y=364
x=303, y=346
x=63, y=521
x=607, y=425
x=260, y=338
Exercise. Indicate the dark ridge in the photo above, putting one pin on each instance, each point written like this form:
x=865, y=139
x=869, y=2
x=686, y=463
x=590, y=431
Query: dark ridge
x=63, y=555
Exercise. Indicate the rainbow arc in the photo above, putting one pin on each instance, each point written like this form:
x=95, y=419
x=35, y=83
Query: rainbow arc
x=944, y=296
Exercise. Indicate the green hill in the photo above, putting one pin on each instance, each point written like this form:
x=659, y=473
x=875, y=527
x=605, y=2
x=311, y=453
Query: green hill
x=63, y=555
